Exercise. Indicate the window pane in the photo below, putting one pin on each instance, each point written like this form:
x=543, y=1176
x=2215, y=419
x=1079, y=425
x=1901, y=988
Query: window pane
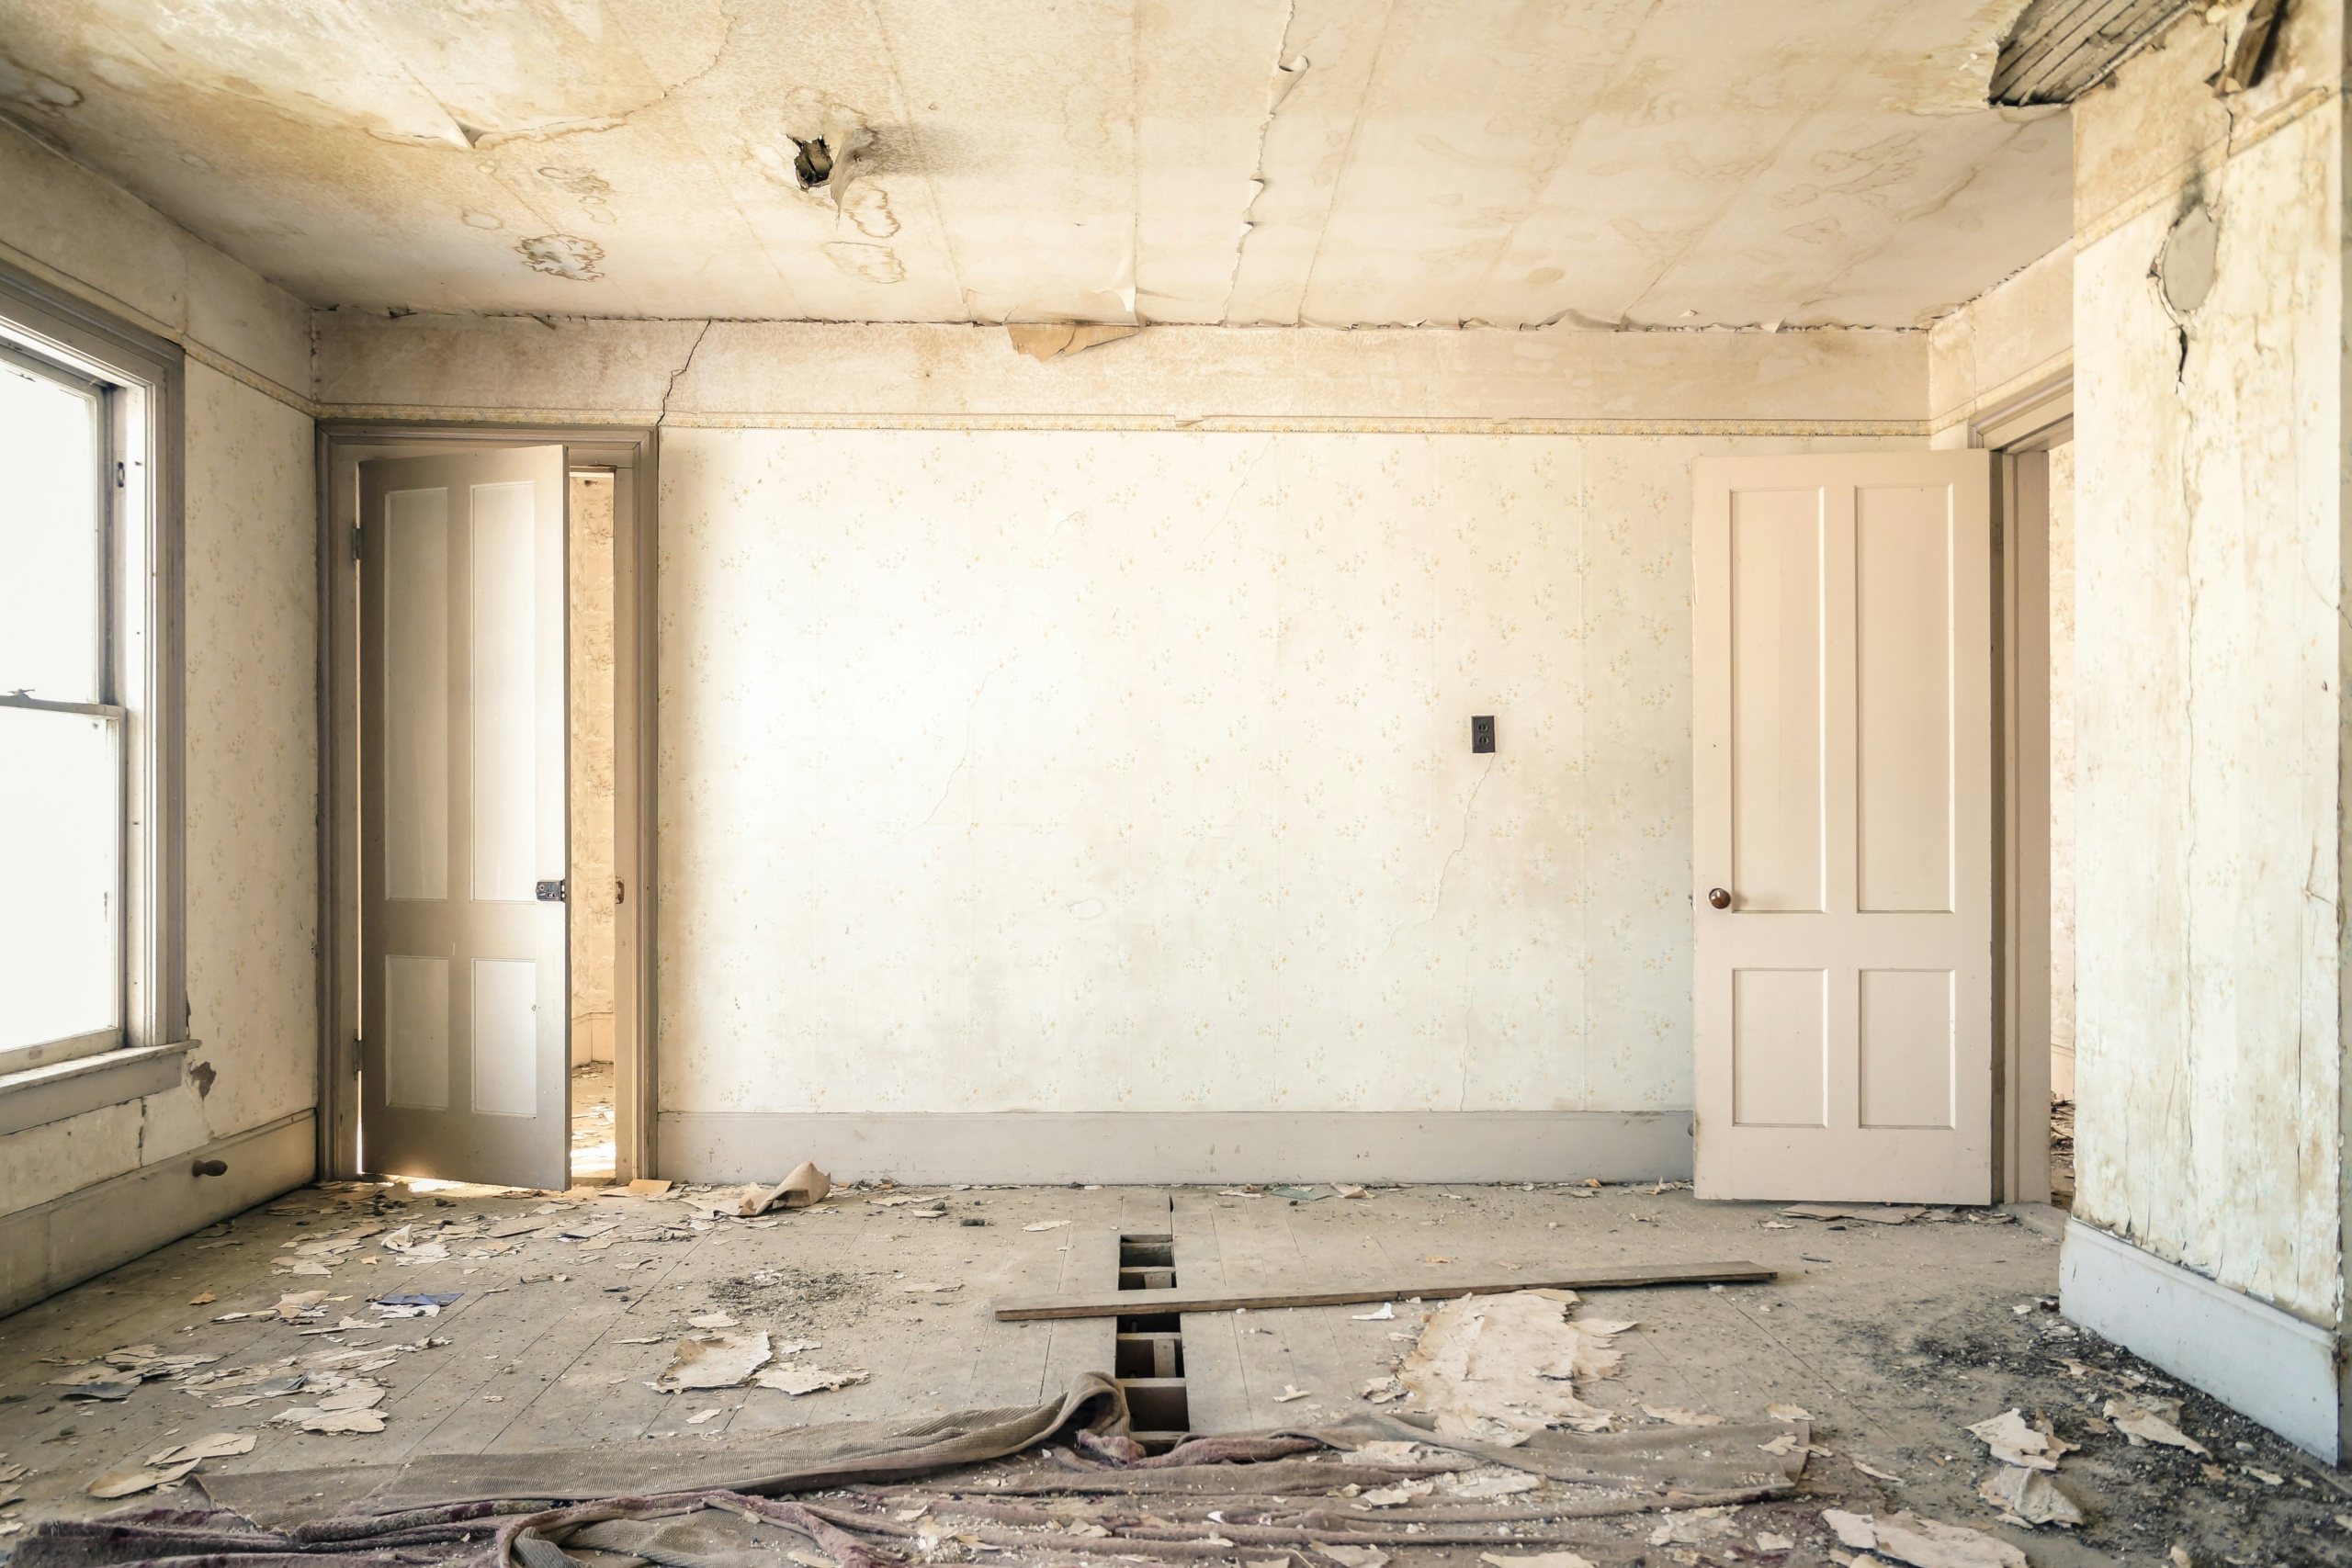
x=49, y=586
x=60, y=790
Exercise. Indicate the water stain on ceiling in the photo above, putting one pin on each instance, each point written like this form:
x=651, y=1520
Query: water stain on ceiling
x=1330, y=163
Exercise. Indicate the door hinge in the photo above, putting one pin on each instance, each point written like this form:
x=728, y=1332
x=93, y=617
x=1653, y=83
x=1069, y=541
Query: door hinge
x=552, y=892
x=122, y=477
x=358, y=538
x=620, y=891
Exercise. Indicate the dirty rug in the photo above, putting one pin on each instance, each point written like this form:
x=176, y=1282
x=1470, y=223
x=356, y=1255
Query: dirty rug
x=1059, y=1481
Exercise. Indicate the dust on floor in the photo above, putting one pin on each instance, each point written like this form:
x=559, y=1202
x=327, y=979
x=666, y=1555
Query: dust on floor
x=1894, y=1338
x=593, y=1123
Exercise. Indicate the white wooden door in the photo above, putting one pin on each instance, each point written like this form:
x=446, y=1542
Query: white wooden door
x=464, y=1015
x=1843, y=855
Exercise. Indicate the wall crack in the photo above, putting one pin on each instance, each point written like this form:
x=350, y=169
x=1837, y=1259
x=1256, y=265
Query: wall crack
x=680, y=373
x=1288, y=69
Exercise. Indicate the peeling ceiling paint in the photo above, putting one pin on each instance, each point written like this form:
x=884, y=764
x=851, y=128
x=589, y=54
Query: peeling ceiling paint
x=1329, y=163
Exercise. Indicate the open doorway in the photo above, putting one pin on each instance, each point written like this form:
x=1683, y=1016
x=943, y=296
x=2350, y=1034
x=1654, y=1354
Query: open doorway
x=2034, y=436
x=594, y=886
x=422, y=1068
x=2061, y=556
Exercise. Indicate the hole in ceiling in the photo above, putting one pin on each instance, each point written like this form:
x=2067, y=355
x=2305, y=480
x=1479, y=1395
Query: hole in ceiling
x=815, y=164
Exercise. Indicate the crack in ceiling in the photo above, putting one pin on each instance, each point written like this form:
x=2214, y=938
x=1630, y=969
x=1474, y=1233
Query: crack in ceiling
x=1329, y=163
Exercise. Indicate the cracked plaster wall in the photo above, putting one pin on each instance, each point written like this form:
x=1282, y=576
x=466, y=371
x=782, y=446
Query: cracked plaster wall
x=250, y=622
x=2212, y=722
x=1131, y=771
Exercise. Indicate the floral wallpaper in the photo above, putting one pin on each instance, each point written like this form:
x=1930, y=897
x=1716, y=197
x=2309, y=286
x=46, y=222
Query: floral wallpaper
x=1132, y=770
x=252, y=750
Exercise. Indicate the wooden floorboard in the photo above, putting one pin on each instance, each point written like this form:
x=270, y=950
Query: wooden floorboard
x=1217, y=1386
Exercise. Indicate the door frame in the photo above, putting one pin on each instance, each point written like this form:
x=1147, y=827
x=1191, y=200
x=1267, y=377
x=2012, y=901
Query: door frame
x=633, y=453
x=2020, y=431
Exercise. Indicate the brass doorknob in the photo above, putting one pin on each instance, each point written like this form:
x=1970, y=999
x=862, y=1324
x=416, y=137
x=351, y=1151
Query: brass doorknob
x=1718, y=898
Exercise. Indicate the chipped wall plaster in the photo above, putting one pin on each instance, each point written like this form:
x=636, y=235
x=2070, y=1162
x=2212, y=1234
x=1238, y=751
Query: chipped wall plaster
x=1131, y=771
x=2211, y=724
x=758, y=373
x=74, y=229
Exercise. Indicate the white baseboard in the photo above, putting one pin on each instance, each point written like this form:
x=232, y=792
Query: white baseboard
x=1142, y=1148
x=50, y=1246
x=2267, y=1365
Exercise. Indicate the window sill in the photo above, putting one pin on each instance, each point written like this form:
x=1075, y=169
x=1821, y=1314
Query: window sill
x=56, y=1053
x=37, y=1096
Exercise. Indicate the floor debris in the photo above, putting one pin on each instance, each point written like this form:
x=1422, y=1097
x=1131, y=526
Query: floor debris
x=1498, y=1367
x=2144, y=1418
x=2013, y=1441
x=805, y=1187
x=219, y=1445
x=1923, y=1543
x=713, y=1360
x=1945, y=1354
x=129, y=1483
x=1875, y=1215
x=798, y=1380
x=2030, y=1497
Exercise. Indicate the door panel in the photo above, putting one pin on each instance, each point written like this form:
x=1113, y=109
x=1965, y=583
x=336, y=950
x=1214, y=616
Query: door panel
x=416, y=694
x=1779, y=1047
x=464, y=1014
x=1776, y=627
x=1843, y=746
x=1903, y=718
x=1907, y=1047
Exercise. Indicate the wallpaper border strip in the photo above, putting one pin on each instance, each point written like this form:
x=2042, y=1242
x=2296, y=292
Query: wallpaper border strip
x=1214, y=423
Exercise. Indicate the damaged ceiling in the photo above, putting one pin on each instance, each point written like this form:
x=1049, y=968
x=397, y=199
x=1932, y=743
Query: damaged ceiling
x=1329, y=163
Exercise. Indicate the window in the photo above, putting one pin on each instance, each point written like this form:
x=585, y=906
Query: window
x=60, y=792
x=89, y=938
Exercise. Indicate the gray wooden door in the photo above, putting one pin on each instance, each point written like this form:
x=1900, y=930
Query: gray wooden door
x=464, y=1014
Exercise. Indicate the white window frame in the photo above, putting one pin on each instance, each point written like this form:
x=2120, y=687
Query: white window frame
x=141, y=377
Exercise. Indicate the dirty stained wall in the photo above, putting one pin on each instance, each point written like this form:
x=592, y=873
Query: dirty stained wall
x=2211, y=566
x=249, y=691
x=1070, y=771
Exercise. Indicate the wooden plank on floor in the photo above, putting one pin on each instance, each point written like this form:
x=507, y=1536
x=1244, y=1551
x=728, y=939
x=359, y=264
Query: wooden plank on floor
x=1262, y=1294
